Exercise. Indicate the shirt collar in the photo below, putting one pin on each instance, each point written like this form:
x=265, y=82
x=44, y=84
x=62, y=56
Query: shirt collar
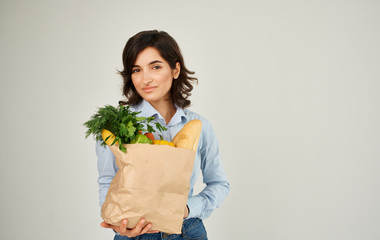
x=147, y=110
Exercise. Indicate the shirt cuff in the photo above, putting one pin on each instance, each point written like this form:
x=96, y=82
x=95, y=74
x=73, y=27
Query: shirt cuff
x=195, y=207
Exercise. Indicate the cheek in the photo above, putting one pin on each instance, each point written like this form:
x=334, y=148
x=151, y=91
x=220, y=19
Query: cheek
x=136, y=85
x=135, y=81
x=167, y=83
x=167, y=79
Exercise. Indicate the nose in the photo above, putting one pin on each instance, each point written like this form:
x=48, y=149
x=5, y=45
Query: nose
x=147, y=78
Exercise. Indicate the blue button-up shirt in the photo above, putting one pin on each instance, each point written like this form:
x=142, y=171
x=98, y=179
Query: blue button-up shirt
x=207, y=160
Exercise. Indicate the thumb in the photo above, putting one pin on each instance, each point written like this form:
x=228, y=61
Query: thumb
x=105, y=225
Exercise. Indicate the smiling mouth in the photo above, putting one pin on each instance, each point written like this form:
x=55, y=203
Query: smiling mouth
x=148, y=89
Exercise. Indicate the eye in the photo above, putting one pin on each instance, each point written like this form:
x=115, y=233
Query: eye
x=135, y=70
x=156, y=67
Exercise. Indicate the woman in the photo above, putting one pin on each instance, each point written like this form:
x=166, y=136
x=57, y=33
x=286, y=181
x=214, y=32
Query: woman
x=157, y=83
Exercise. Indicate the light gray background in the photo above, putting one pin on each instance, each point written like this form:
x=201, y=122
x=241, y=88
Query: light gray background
x=291, y=87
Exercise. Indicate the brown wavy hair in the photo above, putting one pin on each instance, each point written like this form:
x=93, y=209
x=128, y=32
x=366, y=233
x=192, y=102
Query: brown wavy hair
x=170, y=51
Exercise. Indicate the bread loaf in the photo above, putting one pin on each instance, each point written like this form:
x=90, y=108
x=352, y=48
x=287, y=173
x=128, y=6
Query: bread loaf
x=188, y=136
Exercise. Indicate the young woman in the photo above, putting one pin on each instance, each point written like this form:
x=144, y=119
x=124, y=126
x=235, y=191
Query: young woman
x=157, y=83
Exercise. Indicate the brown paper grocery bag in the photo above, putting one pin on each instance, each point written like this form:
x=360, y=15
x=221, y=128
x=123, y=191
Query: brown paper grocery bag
x=153, y=181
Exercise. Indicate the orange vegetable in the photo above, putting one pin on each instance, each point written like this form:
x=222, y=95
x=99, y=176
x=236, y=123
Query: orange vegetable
x=149, y=135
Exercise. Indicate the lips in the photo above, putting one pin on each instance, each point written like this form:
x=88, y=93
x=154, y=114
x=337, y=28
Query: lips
x=148, y=89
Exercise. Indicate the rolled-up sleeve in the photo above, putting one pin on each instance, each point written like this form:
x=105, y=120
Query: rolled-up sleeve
x=217, y=185
x=106, y=169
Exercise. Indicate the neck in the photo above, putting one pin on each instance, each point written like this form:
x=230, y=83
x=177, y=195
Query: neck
x=166, y=109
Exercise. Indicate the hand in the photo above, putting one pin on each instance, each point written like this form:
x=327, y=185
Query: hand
x=186, y=212
x=130, y=232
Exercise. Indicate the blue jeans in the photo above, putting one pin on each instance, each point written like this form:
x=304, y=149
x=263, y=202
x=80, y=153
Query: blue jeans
x=192, y=229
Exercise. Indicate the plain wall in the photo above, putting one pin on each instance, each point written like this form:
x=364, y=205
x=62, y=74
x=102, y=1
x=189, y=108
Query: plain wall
x=291, y=88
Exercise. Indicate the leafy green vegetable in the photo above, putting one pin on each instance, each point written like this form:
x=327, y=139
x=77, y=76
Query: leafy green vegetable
x=122, y=122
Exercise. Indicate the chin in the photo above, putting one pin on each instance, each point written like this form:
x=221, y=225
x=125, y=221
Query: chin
x=150, y=98
x=155, y=97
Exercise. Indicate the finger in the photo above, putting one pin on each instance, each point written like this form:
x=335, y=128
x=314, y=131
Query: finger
x=186, y=213
x=123, y=226
x=139, y=227
x=146, y=228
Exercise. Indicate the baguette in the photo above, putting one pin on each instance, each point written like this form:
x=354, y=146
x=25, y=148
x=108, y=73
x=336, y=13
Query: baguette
x=188, y=136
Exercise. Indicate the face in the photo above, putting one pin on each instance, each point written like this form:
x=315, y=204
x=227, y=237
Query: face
x=152, y=76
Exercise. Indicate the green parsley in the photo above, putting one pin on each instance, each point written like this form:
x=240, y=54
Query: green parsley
x=122, y=122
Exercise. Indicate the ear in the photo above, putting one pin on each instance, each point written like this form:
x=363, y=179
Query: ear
x=176, y=70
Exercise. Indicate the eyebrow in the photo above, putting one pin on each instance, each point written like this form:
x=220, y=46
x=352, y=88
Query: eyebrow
x=153, y=62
